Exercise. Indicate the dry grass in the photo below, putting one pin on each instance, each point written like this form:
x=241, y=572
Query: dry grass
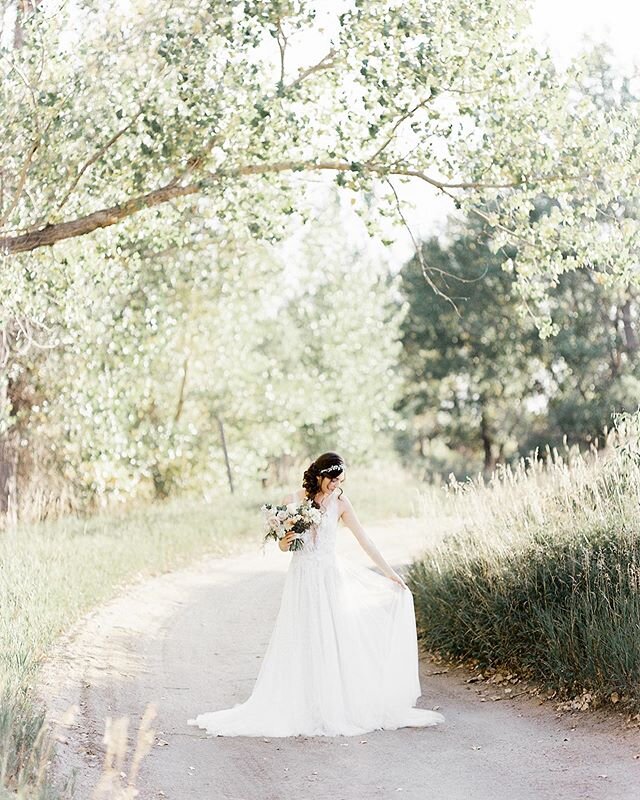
x=542, y=570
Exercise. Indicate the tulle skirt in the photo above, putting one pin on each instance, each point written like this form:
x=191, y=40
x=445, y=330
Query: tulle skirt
x=342, y=658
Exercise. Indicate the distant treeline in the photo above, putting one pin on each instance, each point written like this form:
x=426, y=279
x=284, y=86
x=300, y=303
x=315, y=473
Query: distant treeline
x=481, y=385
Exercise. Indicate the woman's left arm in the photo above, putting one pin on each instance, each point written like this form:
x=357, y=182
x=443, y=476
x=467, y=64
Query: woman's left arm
x=352, y=522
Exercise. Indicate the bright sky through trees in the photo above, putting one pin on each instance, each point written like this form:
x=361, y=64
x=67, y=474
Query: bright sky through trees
x=563, y=26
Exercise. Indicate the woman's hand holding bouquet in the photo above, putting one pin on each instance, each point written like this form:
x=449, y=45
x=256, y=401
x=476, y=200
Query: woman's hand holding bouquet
x=289, y=522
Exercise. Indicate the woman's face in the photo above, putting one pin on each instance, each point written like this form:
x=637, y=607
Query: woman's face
x=329, y=485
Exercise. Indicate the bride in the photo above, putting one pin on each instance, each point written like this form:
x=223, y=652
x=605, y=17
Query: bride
x=343, y=654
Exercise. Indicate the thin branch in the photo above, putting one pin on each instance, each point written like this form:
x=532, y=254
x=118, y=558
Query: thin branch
x=183, y=384
x=24, y=171
x=26, y=82
x=95, y=157
x=460, y=279
x=195, y=162
x=412, y=173
x=397, y=124
x=17, y=330
x=418, y=250
x=282, y=46
x=326, y=62
x=444, y=188
x=20, y=188
x=21, y=180
x=501, y=227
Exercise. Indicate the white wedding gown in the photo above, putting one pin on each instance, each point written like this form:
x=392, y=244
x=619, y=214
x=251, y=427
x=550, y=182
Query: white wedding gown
x=343, y=654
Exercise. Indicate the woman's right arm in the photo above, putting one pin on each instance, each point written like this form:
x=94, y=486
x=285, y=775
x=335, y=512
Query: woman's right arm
x=352, y=522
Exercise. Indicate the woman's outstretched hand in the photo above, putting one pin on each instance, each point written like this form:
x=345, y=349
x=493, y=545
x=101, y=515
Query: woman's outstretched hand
x=286, y=540
x=397, y=579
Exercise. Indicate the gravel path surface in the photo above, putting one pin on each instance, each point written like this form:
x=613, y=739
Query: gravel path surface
x=191, y=641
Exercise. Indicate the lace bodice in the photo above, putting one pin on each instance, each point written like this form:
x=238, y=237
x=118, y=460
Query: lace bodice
x=320, y=540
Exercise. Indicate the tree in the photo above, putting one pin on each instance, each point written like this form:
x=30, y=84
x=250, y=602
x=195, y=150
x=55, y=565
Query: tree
x=342, y=362
x=175, y=347
x=470, y=360
x=451, y=93
x=481, y=381
x=593, y=367
x=135, y=130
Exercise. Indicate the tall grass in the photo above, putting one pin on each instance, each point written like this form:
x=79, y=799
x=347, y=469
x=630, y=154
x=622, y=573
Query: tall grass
x=542, y=573
x=53, y=573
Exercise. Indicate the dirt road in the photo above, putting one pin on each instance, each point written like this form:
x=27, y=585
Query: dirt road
x=191, y=641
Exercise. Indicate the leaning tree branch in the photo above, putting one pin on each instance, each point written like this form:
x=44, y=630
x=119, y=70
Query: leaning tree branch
x=106, y=217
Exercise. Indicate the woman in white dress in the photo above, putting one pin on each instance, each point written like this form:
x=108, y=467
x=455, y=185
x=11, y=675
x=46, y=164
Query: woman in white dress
x=343, y=654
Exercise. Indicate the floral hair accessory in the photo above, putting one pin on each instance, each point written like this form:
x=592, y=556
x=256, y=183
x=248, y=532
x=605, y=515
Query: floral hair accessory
x=332, y=468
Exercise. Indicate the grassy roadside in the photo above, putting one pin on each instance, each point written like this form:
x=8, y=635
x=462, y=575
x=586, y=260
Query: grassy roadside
x=542, y=576
x=51, y=574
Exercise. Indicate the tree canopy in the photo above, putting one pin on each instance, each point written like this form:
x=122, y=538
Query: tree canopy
x=112, y=109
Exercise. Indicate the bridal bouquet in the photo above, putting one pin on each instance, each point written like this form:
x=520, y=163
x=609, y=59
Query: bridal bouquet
x=296, y=517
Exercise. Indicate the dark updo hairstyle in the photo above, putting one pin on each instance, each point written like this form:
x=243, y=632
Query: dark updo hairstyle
x=328, y=465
